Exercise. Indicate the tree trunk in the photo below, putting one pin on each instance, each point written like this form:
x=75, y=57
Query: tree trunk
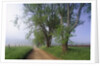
x=48, y=44
x=49, y=41
x=65, y=47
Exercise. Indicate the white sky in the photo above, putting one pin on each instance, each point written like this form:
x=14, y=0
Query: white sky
x=12, y=32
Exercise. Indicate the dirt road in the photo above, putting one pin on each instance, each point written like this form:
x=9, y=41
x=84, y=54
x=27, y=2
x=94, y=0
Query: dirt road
x=40, y=54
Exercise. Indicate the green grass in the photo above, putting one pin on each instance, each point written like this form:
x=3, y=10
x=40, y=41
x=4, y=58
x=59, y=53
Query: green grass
x=74, y=53
x=16, y=52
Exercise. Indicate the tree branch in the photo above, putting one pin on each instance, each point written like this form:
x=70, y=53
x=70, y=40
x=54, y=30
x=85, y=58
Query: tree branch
x=27, y=6
x=78, y=17
x=44, y=31
x=68, y=14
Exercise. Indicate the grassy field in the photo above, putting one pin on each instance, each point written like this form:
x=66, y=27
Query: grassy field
x=16, y=52
x=74, y=53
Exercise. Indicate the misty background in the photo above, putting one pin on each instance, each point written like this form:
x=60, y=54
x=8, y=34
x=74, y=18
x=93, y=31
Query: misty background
x=16, y=35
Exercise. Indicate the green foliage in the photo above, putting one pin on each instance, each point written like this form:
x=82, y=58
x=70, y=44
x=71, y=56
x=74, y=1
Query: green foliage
x=42, y=16
x=69, y=19
x=28, y=35
x=52, y=19
x=61, y=34
x=16, y=23
x=39, y=37
x=39, y=19
x=18, y=52
x=74, y=53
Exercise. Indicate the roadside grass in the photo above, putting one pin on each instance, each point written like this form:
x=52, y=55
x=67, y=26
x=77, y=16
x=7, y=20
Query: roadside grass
x=74, y=53
x=17, y=52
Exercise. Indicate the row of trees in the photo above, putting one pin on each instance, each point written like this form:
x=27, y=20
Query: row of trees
x=47, y=21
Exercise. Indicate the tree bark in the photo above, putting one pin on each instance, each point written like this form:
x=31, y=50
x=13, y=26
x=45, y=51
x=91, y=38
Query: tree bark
x=48, y=40
x=65, y=45
x=68, y=14
x=48, y=43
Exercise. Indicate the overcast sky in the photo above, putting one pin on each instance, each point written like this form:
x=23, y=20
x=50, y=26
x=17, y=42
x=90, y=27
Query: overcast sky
x=82, y=33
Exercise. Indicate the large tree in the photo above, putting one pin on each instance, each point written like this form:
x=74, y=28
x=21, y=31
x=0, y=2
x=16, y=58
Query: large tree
x=42, y=16
x=69, y=14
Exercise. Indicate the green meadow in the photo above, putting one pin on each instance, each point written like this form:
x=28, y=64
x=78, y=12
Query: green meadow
x=18, y=52
x=74, y=53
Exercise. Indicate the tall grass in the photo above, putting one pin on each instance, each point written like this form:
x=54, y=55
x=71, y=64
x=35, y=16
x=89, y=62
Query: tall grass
x=17, y=52
x=74, y=53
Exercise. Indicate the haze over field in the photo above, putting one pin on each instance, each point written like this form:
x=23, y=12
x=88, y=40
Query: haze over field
x=16, y=35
